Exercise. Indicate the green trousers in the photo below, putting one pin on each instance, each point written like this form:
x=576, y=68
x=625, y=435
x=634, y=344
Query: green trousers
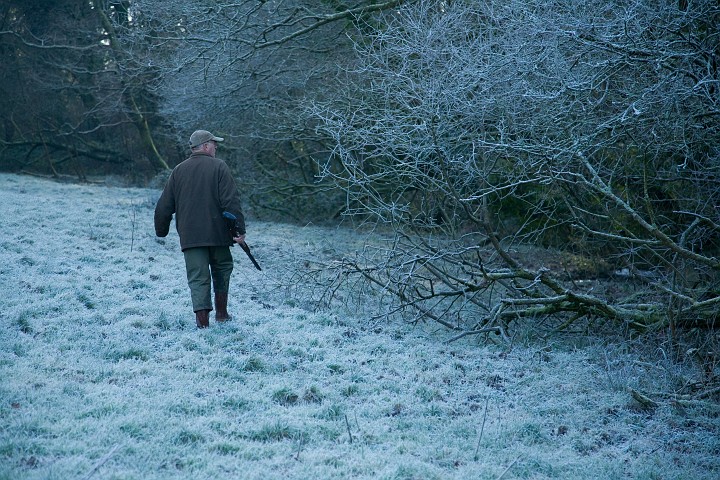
x=206, y=266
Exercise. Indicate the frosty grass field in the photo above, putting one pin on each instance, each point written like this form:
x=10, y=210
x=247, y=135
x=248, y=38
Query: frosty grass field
x=104, y=375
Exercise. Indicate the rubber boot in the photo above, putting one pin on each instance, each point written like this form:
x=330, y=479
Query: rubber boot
x=202, y=318
x=221, y=313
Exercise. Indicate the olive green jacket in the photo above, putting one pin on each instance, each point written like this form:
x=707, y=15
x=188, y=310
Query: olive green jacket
x=198, y=191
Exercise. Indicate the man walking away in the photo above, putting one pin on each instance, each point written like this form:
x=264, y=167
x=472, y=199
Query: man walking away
x=198, y=191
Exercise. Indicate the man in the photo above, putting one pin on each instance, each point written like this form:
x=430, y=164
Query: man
x=198, y=191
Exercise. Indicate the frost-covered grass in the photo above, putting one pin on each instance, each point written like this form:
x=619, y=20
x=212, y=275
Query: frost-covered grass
x=104, y=375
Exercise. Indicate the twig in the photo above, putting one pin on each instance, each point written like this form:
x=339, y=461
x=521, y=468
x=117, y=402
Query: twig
x=709, y=393
x=301, y=442
x=508, y=468
x=474, y=332
x=482, y=428
x=347, y=424
x=710, y=407
x=101, y=462
x=714, y=390
x=132, y=238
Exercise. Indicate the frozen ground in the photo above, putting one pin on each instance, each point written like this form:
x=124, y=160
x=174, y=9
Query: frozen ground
x=104, y=375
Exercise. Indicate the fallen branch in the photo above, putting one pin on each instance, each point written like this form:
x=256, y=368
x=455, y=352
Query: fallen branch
x=474, y=332
x=643, y=400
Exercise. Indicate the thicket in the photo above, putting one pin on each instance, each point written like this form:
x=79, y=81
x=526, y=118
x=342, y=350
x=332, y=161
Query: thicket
x=475, y=129
x=74, y=99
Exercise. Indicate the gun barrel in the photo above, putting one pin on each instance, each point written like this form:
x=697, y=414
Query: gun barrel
x=246, y=249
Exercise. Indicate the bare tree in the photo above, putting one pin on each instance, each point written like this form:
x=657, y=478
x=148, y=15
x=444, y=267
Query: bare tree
x=243, y=69
x=476, y=129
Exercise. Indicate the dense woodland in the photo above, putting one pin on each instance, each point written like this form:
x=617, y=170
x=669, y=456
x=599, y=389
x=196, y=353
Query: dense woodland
x=470, y=131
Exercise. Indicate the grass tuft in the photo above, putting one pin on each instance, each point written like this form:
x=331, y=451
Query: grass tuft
x=313, y=395
x=23, y=323
x=285, y=396
x=85, y=300
x=130, y=354
x=333, y=412
x=187, y=437
x=276, y=432
x=225, y=448
x=254, y=364
x=236, y=403
x=350, y=390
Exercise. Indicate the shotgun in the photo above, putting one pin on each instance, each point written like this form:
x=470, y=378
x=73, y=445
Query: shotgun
x=231, y=221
